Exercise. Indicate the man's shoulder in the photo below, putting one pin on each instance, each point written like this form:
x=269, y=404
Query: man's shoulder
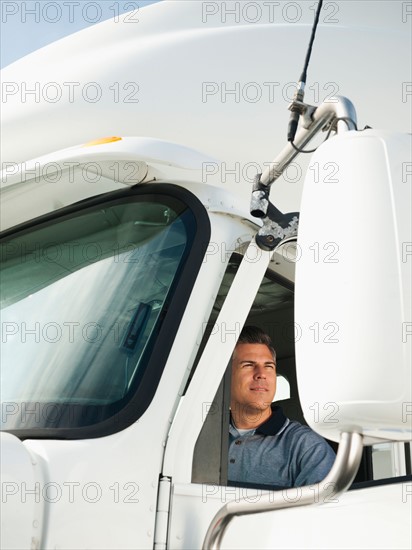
x=294, y=425
x=305, y=435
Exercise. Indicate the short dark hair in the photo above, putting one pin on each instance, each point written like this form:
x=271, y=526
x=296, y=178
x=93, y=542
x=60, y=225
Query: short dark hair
x=255, y=335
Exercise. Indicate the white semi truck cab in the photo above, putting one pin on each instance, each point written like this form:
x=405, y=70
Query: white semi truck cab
x=130, y=264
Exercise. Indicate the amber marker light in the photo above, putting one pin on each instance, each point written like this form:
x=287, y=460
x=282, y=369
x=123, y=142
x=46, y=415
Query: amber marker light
x=102, y=141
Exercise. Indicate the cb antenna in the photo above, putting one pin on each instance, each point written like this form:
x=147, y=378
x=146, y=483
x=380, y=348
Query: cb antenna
x=300, y=92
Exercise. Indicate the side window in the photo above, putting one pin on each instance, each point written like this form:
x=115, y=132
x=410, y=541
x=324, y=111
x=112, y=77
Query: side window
x=273, y=311
x=391, y=460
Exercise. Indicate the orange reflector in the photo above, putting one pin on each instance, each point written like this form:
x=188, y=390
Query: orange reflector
x=101, y=141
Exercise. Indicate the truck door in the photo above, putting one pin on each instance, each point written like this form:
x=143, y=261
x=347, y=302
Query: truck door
x=199, y=478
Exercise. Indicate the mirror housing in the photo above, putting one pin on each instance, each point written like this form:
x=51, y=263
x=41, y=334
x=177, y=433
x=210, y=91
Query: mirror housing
x=353, y=288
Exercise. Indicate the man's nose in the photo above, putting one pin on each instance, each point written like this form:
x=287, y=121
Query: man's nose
x=259, y=372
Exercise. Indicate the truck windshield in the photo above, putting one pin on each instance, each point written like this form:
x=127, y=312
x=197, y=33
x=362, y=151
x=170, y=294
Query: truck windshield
x=83, y=297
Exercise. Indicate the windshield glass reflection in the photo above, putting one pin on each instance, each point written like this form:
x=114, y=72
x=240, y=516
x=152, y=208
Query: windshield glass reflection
x=78, y=315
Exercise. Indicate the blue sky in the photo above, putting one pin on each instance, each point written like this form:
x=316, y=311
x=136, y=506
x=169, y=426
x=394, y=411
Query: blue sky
x=28, y=25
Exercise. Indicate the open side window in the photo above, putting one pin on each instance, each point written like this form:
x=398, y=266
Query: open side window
x=273, y=311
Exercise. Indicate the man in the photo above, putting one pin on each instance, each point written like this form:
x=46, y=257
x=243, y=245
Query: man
x=265, y=447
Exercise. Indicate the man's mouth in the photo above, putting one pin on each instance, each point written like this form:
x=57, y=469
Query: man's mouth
x=259, y=388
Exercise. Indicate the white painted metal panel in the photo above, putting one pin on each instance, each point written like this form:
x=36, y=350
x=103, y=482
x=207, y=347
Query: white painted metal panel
x=220, y=84
x=22, y=495
x=363, y=519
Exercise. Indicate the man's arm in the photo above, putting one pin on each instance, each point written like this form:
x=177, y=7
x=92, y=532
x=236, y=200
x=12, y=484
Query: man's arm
x=315, y=462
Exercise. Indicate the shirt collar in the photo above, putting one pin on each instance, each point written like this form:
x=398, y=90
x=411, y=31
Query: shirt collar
x=275, y=423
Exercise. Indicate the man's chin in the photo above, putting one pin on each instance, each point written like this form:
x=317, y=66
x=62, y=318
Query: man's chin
x=255, y=410
x=261, y=401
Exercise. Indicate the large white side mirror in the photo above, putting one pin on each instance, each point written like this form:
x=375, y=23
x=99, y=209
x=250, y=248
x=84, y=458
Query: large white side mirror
x=353, y=288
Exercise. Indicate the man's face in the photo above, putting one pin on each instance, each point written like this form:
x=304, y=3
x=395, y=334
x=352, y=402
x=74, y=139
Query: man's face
x=253, y=378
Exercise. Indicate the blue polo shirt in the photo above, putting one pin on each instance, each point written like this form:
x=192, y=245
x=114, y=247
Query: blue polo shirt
x=280, y=453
